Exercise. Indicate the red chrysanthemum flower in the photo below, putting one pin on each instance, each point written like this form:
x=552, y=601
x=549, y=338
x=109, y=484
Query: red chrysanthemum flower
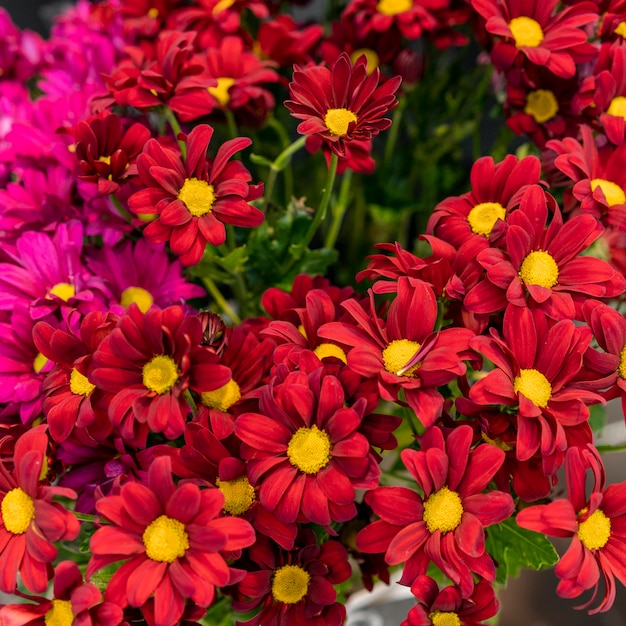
x=535, y=364
x=147, y=363
x=173, y=542
x=445, y=525
x=405, y=353
x=448, y=607
x=306, y=452
x=541, y=264
x=30, y=521
x=536, y=33
x=194, y=198
x=341, y=104
x=497, y=189
x=596, y=524
x=293, y=587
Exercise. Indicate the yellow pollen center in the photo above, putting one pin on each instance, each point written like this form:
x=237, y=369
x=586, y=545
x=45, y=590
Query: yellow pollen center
x=373, y=60
x=222, y=5
x=534, y=385
x=105, y=159
x=595, y=531
x=64, y=291
x=621, y=370
x=220, y=91
x=620, y=29
x=60, y=614
x=542, y=105
x=79, y=384
x=197, y=195
x=443, y=510
x=497, y=442
x=223, y=398
x=309, y=449
x=526, y=31
x=160, y=374
x=397, y=354
x=141, y=297
x=483, y=217
x=393, y=7
x=238, y=495
x=325, y=350
x=18, y=510
x=618, y=107
x=338, y=120
x=153, y=12
x=39, y=362
x=165, y=539
x=302, y=331
x=290, y=584
x=613, y=193
x=539, y=268
x=441, y=618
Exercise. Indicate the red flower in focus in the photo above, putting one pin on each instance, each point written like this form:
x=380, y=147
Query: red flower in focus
x=597, y=526
x=341, y=104
x=107, y=151
x=195, y=198
x=293, y=587
x=30, y=521
x=172, y=540
x=536, y=33
x=306, y=452
x=147, y=363
x=448, y=606
x=446, y=525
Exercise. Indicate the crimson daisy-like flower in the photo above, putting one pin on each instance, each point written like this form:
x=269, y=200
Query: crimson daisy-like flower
x=293, y=587
x=147, y=363
x=539, y=34
x=194, y=198
x=30, y=521
x=341, y=104
x=306, y=451
x=446, y=525
x=540, y=264
x=536, y=362
x=596, y=524
x=173, y=541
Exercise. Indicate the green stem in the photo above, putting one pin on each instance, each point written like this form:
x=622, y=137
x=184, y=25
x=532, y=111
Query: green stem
x=175, y=126
x=120, y=208
x=86, y=517
x=390, y=146
x=339, y=210
x=280, y=162
x=221, y=301
x=231, y=123
x=190, y=401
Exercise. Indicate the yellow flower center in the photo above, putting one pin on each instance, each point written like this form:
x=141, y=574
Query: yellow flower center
x=63, y=291
x=621, y=370
x=539, y=268
x=526, y=31
x=613, y=193
x=373, y=60
x=595, y=531
x=105, y=159
x=542, y=105
x=153, y=13
x=141, y=297
x=290, y=584
x=238, y=495
x=397, y=354
x=197, y=195
x=443, y=511
x=618, y=107
x=165, y=539
x=79, y=384
x=534, y=385
x=302, y=331
x=440, y=618
x=309, y=449
x=483, y=217
x=620, y=29
x=328, y=349
x=18, y=510
x=223, y=398
x=497, y=442
x=39, y=362
x=338, y=120
x=222, y=5
x=60, y=614
x=393, y=7
x=160, y=374
x=220, y=91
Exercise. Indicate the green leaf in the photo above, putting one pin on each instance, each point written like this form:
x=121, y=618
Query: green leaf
x=257, y=159
x=513, y=547
x=597, y=418
x=235, y=261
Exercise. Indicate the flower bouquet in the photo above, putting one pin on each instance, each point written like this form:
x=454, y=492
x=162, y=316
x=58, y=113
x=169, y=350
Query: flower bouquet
x=295, y=296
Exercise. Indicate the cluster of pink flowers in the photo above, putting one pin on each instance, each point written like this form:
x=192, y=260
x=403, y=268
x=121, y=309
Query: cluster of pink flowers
x=202, y=462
